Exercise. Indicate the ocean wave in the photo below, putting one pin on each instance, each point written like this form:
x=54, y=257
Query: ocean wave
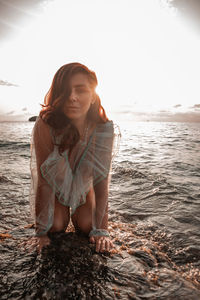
x=4, y=179
x=127, y=171
x=154, y=193
x=13, y=145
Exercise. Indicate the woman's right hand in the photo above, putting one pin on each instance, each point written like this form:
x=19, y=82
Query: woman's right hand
x=42, y=241
x=37, y=243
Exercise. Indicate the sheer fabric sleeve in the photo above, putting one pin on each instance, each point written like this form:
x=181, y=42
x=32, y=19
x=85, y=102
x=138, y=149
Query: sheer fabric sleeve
x=42, y=196
x=106, y=146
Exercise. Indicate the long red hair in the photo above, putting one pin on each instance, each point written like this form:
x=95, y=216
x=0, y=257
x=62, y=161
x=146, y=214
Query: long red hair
x=52, y=109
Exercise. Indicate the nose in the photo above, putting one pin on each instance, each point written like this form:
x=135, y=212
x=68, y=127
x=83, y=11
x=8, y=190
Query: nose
x=73, y=96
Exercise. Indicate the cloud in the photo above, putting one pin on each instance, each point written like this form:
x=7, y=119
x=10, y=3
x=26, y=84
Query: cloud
x=12, y=117
x=163, y=111
x=2, y=82
x=196, y=106
x=177, y=117
x=24, y=109
x=10, y=112
x=177, y=105
x=162, y=116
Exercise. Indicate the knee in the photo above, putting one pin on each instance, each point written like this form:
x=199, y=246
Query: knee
x=61, y=218
x=59, y=225
x=81, y=225
x=85, y=227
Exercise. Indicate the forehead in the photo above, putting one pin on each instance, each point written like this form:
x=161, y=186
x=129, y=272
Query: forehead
x=79, y=79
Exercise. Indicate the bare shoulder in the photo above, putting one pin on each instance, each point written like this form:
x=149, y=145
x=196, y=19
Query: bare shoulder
x=41, y=125
x=107, y=127
x=42, y=130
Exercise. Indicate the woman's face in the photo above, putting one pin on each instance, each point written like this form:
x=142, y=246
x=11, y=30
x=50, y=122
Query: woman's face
x=80, y=99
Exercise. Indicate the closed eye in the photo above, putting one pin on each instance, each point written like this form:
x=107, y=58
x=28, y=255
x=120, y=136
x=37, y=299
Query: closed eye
x=82, y=90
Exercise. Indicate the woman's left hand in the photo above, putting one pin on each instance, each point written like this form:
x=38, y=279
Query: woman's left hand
x=103, y=243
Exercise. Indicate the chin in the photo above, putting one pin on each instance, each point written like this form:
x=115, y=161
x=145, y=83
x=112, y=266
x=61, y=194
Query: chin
x=72, y=115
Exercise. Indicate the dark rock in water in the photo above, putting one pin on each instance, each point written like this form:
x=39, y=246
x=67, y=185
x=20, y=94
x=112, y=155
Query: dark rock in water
x=69, y=268
x=32, y=119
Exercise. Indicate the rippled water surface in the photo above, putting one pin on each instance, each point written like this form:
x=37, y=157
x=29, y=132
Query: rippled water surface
x=154, y=220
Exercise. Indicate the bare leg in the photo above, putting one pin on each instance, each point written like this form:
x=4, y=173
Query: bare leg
x=61, y=217
x=83, y=216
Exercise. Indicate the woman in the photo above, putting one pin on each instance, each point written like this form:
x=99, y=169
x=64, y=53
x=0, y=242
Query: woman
x=71, y=156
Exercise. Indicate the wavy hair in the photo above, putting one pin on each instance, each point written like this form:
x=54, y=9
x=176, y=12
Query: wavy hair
x=52, y=109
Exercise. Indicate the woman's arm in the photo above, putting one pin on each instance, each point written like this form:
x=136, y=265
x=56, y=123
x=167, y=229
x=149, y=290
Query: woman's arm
x=43, y=146
x=101, y=212
x=99, y=235
x=102, y=163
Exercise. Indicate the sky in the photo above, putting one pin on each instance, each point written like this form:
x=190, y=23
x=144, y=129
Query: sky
x=145, y=54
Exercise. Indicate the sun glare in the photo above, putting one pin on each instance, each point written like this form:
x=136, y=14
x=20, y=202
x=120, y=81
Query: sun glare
x=144, y=57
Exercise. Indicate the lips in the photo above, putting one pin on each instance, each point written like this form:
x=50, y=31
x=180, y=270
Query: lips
x=72, y=107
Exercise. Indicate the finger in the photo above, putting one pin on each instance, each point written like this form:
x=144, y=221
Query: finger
x=43, y=243
x=98, y=241
x=31, y=247
x=111, y=244
x=102, y=245
x=29, y=244
x=107, y=245
x=92, y=240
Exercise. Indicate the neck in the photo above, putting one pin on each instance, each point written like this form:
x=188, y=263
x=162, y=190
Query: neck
x=80, y=124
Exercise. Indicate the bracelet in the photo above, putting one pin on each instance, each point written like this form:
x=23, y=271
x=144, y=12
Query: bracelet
x=99, y=232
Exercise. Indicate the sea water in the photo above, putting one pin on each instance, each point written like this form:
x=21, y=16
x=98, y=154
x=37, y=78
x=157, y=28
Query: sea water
x=154, y=211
